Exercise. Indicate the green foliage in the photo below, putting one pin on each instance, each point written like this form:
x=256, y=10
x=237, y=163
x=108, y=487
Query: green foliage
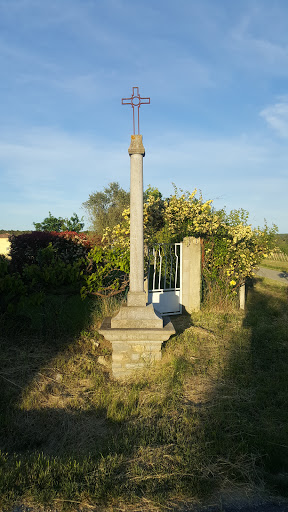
x=231, y=254
x=70, y=246
x=105, y=208
x=18, y=298
x=107, y=272
x=4, y=265
x=74, y=223
x=282, y=242
x=41, y=263
x=45, y=263
x=231, y=249
x=52, y=223
x=154, y=208
x=50, y=271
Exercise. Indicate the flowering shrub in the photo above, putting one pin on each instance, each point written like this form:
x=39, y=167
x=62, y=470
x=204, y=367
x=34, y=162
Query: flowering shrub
x=231, y=255
x=231, y=247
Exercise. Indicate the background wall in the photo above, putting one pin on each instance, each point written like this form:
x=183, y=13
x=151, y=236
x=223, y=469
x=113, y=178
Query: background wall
x=4, y=245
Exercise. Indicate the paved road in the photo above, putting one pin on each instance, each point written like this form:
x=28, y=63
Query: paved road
x=273, y=274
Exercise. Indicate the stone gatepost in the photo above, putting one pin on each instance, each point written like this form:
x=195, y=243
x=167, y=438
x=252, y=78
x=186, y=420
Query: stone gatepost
x=137, y=331
x=191, y=274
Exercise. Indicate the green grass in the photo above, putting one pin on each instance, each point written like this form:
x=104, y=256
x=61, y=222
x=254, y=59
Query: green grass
x=212, y=415
x=282, y=266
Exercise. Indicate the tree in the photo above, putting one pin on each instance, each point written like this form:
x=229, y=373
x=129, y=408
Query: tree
x=105, y=208
x=74, y=223
x=52, y=223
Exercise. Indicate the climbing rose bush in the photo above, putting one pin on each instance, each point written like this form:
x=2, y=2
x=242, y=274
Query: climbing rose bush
x=231, y=248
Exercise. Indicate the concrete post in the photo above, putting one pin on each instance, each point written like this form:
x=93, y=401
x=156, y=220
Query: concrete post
x=191, y=274
x=242, y=296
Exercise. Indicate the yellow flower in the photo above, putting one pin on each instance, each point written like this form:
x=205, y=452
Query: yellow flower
x=232, y=283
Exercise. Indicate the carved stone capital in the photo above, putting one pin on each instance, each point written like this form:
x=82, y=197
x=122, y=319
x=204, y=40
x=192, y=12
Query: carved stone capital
x=136, y=145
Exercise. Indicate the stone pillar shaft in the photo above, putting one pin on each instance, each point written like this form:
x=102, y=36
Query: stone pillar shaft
x=136, y=224
x=136, y=295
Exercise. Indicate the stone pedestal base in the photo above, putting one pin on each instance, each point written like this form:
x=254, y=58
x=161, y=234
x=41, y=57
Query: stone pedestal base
x=137, y=317
x=135, y=348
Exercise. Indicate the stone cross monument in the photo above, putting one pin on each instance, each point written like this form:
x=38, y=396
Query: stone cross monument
x=137, y=331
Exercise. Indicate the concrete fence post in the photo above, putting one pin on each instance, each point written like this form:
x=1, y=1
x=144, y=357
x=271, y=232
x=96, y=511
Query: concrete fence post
x=191, y=274
x=242, y=296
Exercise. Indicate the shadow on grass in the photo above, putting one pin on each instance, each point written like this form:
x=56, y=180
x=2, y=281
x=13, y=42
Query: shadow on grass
x=267, y=318
x=148, y=439
x=27, y=348
x=249, y=414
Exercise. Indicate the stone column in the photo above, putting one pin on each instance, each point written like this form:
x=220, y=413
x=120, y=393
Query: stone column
x=137, y=331
x=136, y=295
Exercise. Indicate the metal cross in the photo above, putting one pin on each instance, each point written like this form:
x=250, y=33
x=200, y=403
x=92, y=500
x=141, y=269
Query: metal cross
x=135, y=101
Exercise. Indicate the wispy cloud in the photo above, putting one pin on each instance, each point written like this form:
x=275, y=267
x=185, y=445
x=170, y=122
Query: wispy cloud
x=53, y=170
x=258, y=43
x=277, y=117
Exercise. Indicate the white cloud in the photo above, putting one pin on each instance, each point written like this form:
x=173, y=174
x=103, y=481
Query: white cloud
x=37, y=158
x=277, y=117
x=42, y=170
x=258, y=47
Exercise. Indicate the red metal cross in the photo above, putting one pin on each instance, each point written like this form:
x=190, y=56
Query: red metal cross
x=135, y=101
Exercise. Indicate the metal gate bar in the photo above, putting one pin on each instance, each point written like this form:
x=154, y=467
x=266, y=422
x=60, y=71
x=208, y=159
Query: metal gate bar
x=164, y=277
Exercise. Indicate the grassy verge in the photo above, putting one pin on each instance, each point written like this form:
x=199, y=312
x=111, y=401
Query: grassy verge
x=213, y=414
x=282, y=266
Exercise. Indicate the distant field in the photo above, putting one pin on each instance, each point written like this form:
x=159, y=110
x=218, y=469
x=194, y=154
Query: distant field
x=282, y=242
x=282, y=266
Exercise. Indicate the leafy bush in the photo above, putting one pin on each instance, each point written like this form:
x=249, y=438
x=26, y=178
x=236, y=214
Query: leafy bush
x=70, y=246
x=50, y=271
x=17, y=298
x=44, y=264
x=4, y=265
x=107, y=272
x=25, y=247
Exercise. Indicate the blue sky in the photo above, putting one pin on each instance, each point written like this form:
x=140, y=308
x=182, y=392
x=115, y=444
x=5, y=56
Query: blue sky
x=217, y=75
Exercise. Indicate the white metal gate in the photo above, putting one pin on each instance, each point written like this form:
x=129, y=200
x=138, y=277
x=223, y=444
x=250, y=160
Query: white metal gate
x=165, y=278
